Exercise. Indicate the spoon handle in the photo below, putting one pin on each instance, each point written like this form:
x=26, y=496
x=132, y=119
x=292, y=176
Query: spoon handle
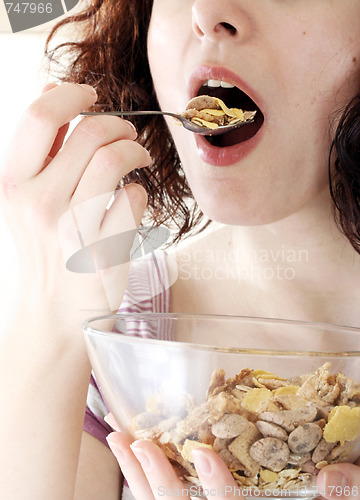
x=129, y=113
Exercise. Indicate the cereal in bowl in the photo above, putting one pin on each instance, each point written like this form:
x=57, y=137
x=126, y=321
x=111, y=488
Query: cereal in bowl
x=272, y=433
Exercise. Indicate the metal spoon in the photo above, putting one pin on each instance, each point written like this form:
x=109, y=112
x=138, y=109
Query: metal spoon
x=189, y=125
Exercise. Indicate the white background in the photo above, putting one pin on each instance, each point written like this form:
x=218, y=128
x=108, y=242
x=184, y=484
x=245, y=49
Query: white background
x=22, y=78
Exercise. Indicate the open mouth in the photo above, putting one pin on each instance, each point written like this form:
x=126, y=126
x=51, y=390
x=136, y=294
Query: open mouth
x=233, y=98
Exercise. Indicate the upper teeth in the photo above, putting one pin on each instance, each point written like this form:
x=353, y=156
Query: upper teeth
x=219, y=83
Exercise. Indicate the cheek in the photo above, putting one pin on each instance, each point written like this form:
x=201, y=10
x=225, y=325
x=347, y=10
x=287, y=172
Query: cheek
x=164, y=89
x=168, y=47
x=335, y=78
x=324, y=74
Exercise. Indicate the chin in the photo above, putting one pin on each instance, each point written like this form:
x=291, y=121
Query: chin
x=249, y=207
x=235, y=214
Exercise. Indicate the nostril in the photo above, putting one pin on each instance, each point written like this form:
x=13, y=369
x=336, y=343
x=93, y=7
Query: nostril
x=228, y=27
x=198, y=31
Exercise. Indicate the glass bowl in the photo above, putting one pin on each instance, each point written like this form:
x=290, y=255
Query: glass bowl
x=277, y=399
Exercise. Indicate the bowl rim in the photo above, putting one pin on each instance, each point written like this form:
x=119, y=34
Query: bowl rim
x=90, y=330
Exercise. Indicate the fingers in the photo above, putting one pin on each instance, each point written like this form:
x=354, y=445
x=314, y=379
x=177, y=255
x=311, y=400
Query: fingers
x=157, y=469
x=214, y=475
x=108, y=165
x=145, y=467
x=130, y=466
x=129, y=205
x=94, y=141
x=59, y=139
x=92, y=242
x=48, y=86
x=158, y=478
x=110, y=231
x=118, y=234
x=341, y=481
x=40, y=126
x=110, y=419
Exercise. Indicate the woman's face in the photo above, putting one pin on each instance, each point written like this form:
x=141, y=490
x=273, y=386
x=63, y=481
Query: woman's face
x=296, y=61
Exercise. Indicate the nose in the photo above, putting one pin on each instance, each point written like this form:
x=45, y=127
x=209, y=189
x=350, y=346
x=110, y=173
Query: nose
x=216, y=20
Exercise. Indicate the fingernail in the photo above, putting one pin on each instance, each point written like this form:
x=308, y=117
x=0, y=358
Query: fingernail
x=142, y=457
x=334, y=480
x=87, y=87
x=202, y=463
x=115, y=448
x=110, y=420
x=132, y=126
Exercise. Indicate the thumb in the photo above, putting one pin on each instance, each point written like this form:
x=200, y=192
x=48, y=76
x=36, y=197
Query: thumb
x=341, y=481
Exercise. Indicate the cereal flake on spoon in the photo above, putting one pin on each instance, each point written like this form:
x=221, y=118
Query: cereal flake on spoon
x=212, y=112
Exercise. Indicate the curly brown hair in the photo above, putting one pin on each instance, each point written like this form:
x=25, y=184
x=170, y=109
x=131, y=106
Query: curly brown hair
x=110, y=54
x=344, y=176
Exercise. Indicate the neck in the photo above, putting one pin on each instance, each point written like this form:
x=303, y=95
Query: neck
x=301, y=267
x=308, y=241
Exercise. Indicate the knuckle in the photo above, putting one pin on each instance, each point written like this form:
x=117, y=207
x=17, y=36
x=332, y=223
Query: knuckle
x=120, y=153
x=137, y=195
x=94, y=127
x=40, y=207
x=38, y=113
x=105, y=128
x=40, y=211
x=109, y=157
x=138, y=152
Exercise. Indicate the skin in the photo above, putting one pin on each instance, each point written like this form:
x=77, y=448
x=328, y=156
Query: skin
x=45, y=178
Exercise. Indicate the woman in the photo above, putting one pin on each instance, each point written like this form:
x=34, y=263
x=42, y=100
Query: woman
x=269, y=186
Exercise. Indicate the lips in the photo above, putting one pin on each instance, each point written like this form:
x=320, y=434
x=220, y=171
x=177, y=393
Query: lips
x=227, y=86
